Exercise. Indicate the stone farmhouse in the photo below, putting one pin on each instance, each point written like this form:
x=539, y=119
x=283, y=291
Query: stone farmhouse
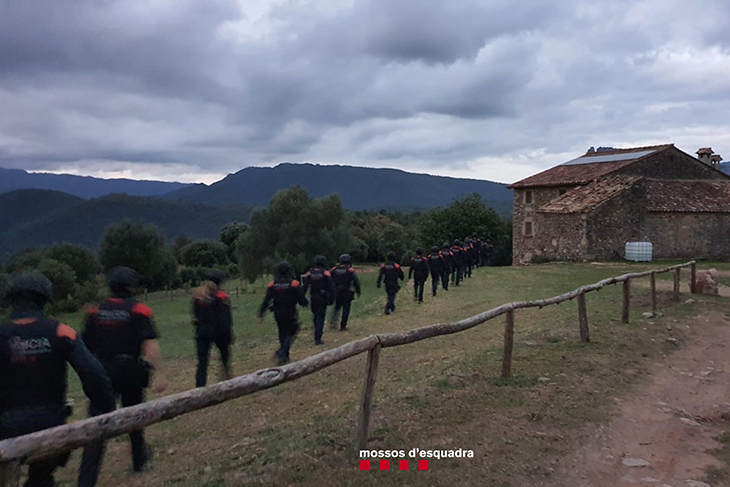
x=589, y=207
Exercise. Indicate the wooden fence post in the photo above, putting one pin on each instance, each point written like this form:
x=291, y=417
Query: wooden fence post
x=627, y=301
x=676, y=283
x=509, y=336
x=10, y=474
x=583, y=318
x=363, y=423
x=693, y=282
x=653, y=291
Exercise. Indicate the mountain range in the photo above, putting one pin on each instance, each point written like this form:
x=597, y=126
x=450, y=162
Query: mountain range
x=82, y=186
x=361, y=188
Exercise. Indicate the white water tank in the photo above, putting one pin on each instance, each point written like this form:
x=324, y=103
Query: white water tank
x=638, y=251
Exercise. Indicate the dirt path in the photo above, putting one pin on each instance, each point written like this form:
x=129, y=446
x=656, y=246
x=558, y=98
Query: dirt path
x=670, y=423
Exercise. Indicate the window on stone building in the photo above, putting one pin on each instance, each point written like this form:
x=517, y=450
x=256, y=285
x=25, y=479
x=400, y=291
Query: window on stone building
x=528, y=197
x=528, y=229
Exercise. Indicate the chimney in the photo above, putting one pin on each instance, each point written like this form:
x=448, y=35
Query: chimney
x=705, y=155
x=715, y=159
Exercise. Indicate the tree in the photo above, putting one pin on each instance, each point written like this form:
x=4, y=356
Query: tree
x=467, y=217
x=79, y=258
x=294, y=227
x=26, y=260
x=204, y=253
x=139, y=246
x=230, y=236
x=62, y=276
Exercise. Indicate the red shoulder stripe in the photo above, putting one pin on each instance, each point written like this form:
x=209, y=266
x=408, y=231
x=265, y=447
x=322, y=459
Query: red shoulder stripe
x=65, y=331
x=351, y=269
x=396, y=266
x=382, y=266
x=271, y=284
x=295, y=283
x=142, y=309
x=221, y=295
x=327, y=273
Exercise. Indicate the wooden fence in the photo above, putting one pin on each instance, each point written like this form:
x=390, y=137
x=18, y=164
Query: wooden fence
x=15, y=451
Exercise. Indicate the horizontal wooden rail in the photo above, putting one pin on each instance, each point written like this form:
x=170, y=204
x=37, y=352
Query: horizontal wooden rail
x=75, y=435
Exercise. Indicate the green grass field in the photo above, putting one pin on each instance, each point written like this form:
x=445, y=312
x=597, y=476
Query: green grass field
x=442, y=393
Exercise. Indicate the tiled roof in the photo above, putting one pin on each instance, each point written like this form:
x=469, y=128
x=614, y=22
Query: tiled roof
x=586, y=198
x=687, y=196
x=705, y=150
x=586, y=169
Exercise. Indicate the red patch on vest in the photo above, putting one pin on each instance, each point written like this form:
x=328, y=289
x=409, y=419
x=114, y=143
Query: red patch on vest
x=65, y=331
x=24, y=321
x=142, y=309
x=295, y=283
x=221, y=295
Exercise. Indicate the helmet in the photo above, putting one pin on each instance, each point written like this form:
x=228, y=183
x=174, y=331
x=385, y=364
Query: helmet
x=446, y=245
x=419, y=250
x=467, y=240
x=391, y=255
x=456, y=242
x=32, y=283
x=345, y=259
x=215, y=276
x=434, y=249
x=122, y=278
x=283, y=269
x=320, y=261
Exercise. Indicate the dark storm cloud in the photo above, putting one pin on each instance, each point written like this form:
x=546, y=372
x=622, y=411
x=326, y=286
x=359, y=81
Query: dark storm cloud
x=445, y=86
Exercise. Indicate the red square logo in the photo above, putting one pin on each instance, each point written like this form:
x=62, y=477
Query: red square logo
x=364, y=464
x=384, y=464
x=402, y=464
x=422, y=464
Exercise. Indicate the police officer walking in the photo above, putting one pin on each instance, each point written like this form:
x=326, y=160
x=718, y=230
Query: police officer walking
x=448, y=265
x=345, y=278
x=213, y=323
x=122, y=335
x=283, y=295
x=457, y=273
x=436, y=267
x=419, y=268
x=391, y=273
x=319, y=279
x=34, y=351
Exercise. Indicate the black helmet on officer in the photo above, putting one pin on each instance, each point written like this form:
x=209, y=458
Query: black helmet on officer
x=434, y=250
x=446, y=246
x=391, y=255
x=320, y=261
x=456, y=242
x=123, y=280
x=345, y=259
x=419, y=251
x=216, y=276
x=33, y=287
x=283, y=269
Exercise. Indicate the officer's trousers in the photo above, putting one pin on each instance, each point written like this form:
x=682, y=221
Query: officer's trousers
x=457, y=275
x=93, y=455
x=343, y=300
x=391, y=291
x=445, y=278
x=202, y=345
x=435, y=278
x=288, y=325
x=418, y=285
x=319, y=312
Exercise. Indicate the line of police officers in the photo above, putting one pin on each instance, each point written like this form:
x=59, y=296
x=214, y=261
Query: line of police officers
x=118, y=355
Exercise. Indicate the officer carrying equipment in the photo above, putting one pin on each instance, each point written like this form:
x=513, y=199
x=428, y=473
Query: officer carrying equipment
x=345, y=278
x=319, y=279
x=213, y=323
x=283, y=295
x=448, y=265
x=34, y=351
x=121, y=334
x=391, y=273
x=457, y=273
x=419, y=268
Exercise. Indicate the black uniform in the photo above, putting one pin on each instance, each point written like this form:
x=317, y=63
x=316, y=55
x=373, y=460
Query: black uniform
x=419, y=269
x=436, y=265
x=283, y=295
x=457, y=273
x=345, y=279
x=449, y=265
x=114, y=332
x=213, y=322
x=322, y=295
x=471, y=258
x=391, y=273
x=34, y=351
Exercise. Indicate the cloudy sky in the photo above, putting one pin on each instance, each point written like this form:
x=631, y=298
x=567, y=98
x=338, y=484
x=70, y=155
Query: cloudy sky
x=497, y=89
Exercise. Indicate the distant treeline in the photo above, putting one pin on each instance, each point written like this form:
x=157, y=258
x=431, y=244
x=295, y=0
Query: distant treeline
x=294, y=227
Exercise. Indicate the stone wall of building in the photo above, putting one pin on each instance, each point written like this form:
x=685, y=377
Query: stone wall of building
x=689, y=235
x=523, y=246
x=561, y=237
x=615, y=222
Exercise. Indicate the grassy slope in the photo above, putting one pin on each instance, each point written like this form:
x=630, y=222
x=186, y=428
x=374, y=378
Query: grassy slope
x=442, y=393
